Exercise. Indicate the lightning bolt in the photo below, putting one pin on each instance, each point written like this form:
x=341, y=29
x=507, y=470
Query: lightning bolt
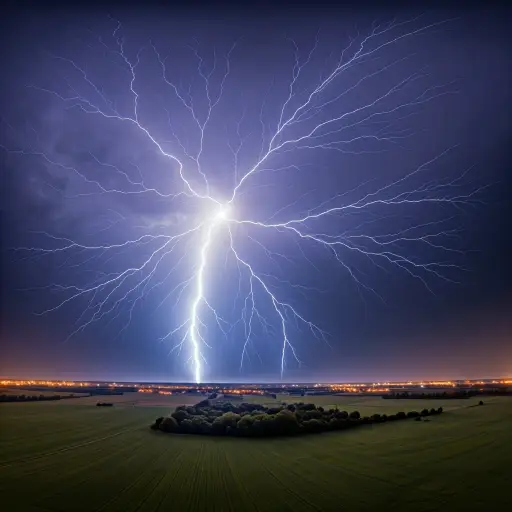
x=313, y=117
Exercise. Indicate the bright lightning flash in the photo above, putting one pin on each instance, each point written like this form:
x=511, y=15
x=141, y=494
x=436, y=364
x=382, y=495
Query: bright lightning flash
x=312, y=118
x=223, y=214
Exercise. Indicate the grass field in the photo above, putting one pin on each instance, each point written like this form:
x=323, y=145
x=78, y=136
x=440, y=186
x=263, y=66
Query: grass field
x=72, y=456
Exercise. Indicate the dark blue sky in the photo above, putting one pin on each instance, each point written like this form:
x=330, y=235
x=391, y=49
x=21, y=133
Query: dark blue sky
x=382, y=320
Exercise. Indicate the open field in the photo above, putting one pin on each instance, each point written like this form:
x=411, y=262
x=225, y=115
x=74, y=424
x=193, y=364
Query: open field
x=366, y=405
x=73, y=456
x=141, y=400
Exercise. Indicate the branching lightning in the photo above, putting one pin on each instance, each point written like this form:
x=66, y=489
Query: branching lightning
x=312, y=117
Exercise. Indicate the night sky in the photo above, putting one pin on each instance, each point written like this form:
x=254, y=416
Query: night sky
x=385, y=324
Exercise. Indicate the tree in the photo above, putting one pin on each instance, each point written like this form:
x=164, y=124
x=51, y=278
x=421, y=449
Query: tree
x=200, y=425
x=286, y=422
x=313, y=425
x=229, y=419
x=156, y=425
x=245, y=424
x=187, y=426
x=256, y=420
x=306, y=407
x=168, y=424
x=180, y=415
x=218, y=426
x=312, y=414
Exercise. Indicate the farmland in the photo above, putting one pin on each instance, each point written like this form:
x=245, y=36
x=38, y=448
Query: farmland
x=73, y=456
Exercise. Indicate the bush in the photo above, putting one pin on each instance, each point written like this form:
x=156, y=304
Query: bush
x=229, y=419
x=337, y=424
x=179, y=415
x=413, y=414
x=156, y=425
x=313, y=425
x=440, y=410
x=187, y=427
x=245, y=424
x=286, y=422
x=200, y=425
x=312, y=415
x=218, y=427
x=267, y=425
x=480, y=403
x=168, y=424
x=401, y=415
x=424, y=412
x=354, y=415
x=307, y=407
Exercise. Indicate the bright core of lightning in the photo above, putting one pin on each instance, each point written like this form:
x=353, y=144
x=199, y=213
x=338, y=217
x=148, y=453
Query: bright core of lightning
x=313, y=118
x=223, y=214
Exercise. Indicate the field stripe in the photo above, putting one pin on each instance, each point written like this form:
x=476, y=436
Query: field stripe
x=65, y=449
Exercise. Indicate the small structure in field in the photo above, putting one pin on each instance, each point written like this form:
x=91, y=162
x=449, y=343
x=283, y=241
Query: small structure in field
x=104, y=404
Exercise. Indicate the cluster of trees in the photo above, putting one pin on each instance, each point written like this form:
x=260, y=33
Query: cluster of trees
x=431, y=396
x=496, y=392
x=31, y=398
x=254, y=420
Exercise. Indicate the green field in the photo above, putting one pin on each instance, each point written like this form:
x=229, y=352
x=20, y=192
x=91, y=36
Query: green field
x=73, y=456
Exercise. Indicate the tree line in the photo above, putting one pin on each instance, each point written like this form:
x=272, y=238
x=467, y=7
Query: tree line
x=255, y=420
x=429, y=396
x=32, y=398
